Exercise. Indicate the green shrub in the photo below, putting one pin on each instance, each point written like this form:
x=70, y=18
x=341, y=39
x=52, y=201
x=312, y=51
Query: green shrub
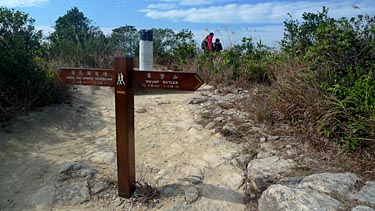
x=351, y=119
x=339, y=55
x=23, y=84
x=256, y=72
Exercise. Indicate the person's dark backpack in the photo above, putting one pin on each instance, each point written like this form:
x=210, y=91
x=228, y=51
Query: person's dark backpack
x=204, y=45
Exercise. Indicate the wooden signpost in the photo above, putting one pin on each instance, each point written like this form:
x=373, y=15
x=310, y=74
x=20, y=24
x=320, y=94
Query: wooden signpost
x=125, y=80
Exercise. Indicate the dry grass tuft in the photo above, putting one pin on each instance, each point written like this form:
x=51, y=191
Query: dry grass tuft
x=145, y=194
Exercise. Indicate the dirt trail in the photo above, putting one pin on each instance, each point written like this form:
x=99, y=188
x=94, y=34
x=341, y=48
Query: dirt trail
x=189, y=164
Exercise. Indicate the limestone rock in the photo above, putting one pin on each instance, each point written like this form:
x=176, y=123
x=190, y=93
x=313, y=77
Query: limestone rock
x=219, y=119
x=43, y=197
x=266, y=154
x=362, y=208
x=191, y=194
x=367, y=193
x=210, y=125
x=199, y=99
x=233, y=180
x=283, y=198
x=290, y=181
x=229, y=113
x=243, y=159
x=273, y=138
x=76, y=183
x=338, y=183
x=192, y=180
x=99, y=186
x=229, y=129
x=197, y=172
x=69, y=170
x=70, y=166
x=73, y=192
x=263, y=172
x=74, y=187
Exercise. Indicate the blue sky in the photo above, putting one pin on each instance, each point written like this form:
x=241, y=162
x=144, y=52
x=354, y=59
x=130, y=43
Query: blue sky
x=230, y=20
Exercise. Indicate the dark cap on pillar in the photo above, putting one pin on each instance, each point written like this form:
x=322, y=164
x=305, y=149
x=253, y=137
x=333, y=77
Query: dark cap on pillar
x=146, y=35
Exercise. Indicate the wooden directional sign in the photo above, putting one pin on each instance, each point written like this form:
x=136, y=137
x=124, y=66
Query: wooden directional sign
x=140, y=80
x=125, y=80
x=166, y=80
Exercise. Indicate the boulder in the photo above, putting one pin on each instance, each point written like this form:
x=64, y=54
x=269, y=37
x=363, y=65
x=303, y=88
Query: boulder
x=75, y=192
x=75, y=184
x=367, y=193
x=336, y=183
x=283, y=198
x=263, y=172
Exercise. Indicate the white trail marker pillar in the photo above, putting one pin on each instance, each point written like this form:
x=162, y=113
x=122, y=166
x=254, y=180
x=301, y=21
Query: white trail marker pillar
x=146, y=50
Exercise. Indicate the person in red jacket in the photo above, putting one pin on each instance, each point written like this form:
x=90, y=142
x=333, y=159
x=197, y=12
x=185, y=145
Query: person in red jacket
x=209, y=38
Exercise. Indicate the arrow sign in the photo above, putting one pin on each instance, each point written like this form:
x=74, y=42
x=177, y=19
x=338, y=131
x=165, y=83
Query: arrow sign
x=166, y=80
x=88, y=76
x=140, y=79
x=125, y=80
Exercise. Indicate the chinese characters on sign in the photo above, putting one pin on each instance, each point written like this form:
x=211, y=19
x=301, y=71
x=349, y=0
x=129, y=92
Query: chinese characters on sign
x=97, y=77
x=166, y=80
x=159, y=80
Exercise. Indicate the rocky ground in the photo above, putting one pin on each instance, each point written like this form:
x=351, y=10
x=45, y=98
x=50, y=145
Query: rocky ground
x=191, y=154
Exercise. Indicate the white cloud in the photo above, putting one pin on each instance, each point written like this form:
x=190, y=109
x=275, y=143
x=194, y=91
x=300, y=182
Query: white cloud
x=196, y=2
x=266, y=12
x=169, y=1
x=22, y=3
x=161, y=6
x=192, y=2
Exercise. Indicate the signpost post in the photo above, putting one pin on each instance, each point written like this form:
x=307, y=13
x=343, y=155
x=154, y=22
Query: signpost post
x=125, y=80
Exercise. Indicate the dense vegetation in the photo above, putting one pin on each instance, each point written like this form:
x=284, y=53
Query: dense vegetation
x=23, y=83
x=339, y=62
x=322, y=79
